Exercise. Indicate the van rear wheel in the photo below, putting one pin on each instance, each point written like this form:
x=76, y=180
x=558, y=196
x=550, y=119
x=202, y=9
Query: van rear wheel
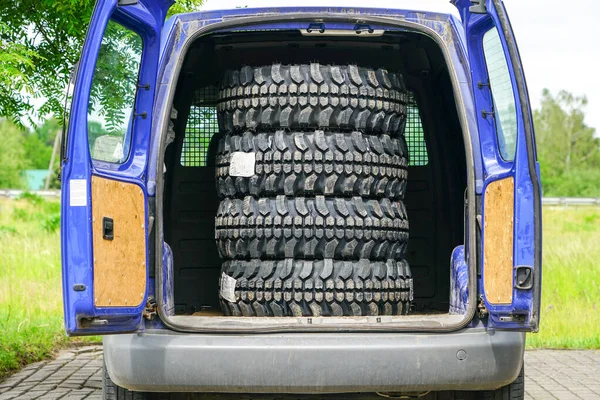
x=110, y=391
x=513, y=391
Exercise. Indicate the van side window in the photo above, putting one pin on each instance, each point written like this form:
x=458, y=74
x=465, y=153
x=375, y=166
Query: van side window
x=414, y=135
x=113, y=93
x=505, y=113
x=201, y=126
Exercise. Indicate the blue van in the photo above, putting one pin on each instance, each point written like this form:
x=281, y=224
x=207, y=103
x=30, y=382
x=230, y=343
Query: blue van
x=142, y=162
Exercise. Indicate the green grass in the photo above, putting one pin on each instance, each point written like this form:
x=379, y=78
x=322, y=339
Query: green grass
x=570, y=314
x=31, y=321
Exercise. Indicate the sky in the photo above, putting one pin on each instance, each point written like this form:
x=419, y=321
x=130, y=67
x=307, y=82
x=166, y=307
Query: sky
x=559, y=46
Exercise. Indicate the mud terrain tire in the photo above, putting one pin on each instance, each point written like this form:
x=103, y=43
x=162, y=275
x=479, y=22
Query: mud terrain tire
x=318, y=288
x=312, y=96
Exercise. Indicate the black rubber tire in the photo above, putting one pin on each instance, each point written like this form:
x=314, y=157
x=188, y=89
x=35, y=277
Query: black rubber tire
x=315, y=163
x=318, y=288
x=513, y=391
x=312, y=95
x=110, y=391
x=311, y=228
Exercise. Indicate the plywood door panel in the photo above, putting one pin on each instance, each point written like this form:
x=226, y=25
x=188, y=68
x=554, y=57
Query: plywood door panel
x=120, y=263
x=498, y=241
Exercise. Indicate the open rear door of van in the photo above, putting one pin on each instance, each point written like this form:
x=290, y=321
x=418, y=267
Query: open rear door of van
x=105, y=225
x=510, y=214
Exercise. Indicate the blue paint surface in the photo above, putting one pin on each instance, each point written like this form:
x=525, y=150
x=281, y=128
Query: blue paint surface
x=459, y=282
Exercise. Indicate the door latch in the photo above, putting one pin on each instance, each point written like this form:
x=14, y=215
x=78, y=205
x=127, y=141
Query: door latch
x=514, y=318
x=524, y=277
x=108, y=231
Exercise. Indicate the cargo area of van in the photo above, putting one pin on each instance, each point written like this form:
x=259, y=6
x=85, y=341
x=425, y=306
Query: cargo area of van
x=434, y=195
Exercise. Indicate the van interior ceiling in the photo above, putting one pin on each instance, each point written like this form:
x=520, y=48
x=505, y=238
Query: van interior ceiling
x=437, y=174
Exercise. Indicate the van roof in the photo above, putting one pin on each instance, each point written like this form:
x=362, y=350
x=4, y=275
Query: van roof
x=437, y=6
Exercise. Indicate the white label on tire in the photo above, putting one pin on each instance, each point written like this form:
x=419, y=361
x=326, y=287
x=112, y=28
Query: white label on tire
x=242, y=164
x=228, y=287
x=78, y=192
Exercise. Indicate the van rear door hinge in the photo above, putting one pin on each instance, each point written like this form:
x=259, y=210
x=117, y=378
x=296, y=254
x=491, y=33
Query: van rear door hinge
x=482, y=311
x=485, y=113
x=150, y=311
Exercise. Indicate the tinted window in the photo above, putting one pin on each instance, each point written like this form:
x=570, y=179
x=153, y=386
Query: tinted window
x=502, y=94
x=113, y=93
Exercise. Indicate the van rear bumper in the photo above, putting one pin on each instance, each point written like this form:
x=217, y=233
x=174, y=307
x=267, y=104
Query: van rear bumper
x=162, y=360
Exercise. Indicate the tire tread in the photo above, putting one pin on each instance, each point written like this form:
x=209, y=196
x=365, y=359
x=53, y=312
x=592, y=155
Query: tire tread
x=312, y=95
x=315, y=163
x=311, y=228
x=318, y=288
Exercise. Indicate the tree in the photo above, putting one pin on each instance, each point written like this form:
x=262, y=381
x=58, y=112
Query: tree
x=37, y=144
x=40, y=41
x=12, y=156
x=568, y=149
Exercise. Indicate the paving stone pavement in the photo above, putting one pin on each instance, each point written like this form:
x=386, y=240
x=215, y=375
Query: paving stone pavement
x=76, y=374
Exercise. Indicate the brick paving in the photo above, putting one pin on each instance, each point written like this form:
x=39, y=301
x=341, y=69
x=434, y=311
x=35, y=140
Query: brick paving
x=76, y=374
x=562, y=374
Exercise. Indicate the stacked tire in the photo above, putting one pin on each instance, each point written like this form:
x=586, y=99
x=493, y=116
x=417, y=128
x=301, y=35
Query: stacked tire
x=311, y=169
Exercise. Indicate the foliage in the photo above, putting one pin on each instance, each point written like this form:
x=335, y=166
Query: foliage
x=568, y=150
x=22, y=149
x=183, y=6
x=40, y=42
x=7, y=230
x=115, y=78
x=17, y=62
x=95, y=130
x=31, y=326
x=570, y=314
x=51, y=223
x=12, y=156
x=32, y=198
x=38, y=144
